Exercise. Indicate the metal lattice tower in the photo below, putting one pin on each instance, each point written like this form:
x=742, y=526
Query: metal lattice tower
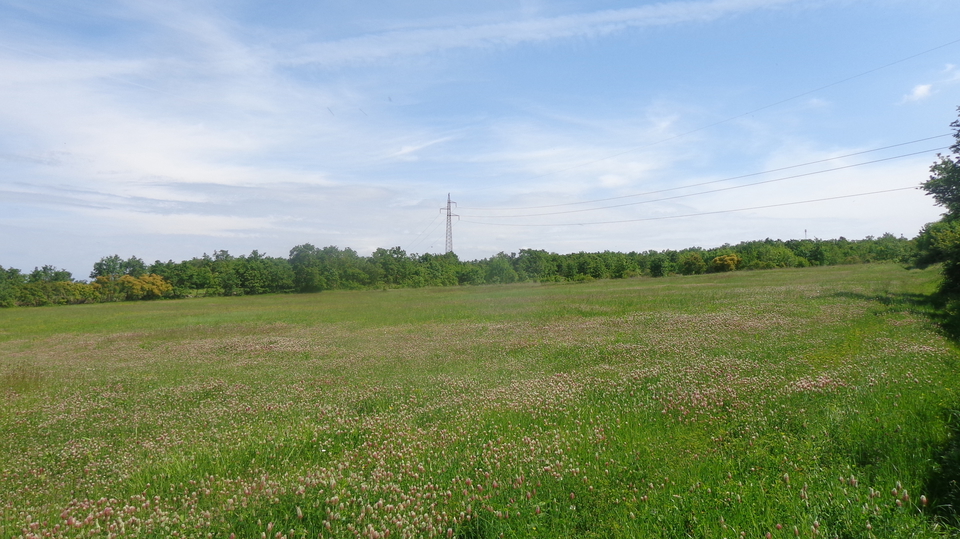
x=450, y=217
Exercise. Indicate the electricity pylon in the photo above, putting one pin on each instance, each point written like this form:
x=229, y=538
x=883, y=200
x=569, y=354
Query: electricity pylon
x=450, y=216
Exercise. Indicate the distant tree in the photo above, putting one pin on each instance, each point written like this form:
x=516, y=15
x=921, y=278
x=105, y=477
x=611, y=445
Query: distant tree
x=691, y=263
x=10, y=281
x=40, y=293
x=108, y=265
x=306, y=265
x=49, y=274
x=260, y=274
x=116, y=266
x=469, y=273
x=499, y=270
x=147, y=286
x=725, y=263
x=660, y=266
x=536, y=265
x=134, y=267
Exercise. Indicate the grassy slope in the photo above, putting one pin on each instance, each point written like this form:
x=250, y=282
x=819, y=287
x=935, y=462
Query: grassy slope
x=703, y=406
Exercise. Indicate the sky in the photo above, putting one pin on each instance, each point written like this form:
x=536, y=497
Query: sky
x=168, y=129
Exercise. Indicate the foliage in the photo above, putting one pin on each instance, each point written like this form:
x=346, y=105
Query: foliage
x=725, y=263
x=660, y=266
x=691, y=263
x=48, y=274
x=10, y=280
x=308, y=268
x=42, y=293
x=116, y=266
x=815, y=400
x=940, y=242
x=944, y=182
x=128, y=287
x=148, y=286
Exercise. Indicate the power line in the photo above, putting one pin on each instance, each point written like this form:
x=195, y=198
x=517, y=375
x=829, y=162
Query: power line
x=714, y=181
x=758, y=109
x=417, y=239
x=697, y=214
x=708, y=192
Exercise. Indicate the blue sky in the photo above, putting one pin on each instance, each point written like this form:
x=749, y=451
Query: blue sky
x=168, y=129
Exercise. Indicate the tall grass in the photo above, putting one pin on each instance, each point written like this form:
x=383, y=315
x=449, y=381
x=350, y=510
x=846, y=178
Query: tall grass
x=811, y=402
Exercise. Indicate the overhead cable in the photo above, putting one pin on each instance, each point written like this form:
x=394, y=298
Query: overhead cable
x=712, y=181
x=754, y=184
x=758, y=109
x=694, y=214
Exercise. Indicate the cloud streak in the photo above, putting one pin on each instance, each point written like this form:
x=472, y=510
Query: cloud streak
x=383, y=46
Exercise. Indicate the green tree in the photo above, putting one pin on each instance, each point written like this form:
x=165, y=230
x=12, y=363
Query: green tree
x=944, y=182
x=499, y=270
x=660, y=265
x=724, y=263
x=536, y=265
x=116, y=266
x=691, y=263
x=10, y=282
x=940, y=242
x=49, y=274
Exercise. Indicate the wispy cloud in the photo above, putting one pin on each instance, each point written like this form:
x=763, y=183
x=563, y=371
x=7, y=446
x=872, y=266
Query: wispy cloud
x=920, y=92
x=948, y=76
x=407, y=152
x=392, y=44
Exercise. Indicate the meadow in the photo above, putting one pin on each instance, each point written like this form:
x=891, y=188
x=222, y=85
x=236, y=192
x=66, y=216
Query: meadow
x=815, y=402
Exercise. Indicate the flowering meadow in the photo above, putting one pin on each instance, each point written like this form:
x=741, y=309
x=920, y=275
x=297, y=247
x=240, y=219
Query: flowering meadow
x=813, y=402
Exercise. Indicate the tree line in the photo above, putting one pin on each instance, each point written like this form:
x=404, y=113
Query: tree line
x=312, y=269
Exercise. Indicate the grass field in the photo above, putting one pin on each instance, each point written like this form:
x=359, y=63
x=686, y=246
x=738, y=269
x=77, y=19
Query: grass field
x=810, y=402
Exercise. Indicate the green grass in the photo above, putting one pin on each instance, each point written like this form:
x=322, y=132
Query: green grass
x=747, y=403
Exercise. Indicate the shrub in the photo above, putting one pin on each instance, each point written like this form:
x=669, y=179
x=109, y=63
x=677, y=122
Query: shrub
x=725, y=263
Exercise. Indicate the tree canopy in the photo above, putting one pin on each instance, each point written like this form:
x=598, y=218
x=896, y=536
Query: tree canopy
x=308, y=268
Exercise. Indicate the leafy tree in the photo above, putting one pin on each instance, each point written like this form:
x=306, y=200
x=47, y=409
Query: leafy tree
x=305, y=263
x=940, y=242
x=109, y=288
x=944, y=182
x=108, y=265
x=10, y=281
x=537, y=265
x=725, y=263
x=259, y=274
x=439, y=270
x=470, y=273
x=40, y=293
x=499, y=270
x=691, y=263
x=147, y=286
x=49, y=274
x=116, y=266
x=660, y=266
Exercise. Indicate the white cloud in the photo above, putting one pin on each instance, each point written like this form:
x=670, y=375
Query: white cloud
x=375, y=47
x=920, y=91
x=188, y=224
x=407, y=152
x=197, y=125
